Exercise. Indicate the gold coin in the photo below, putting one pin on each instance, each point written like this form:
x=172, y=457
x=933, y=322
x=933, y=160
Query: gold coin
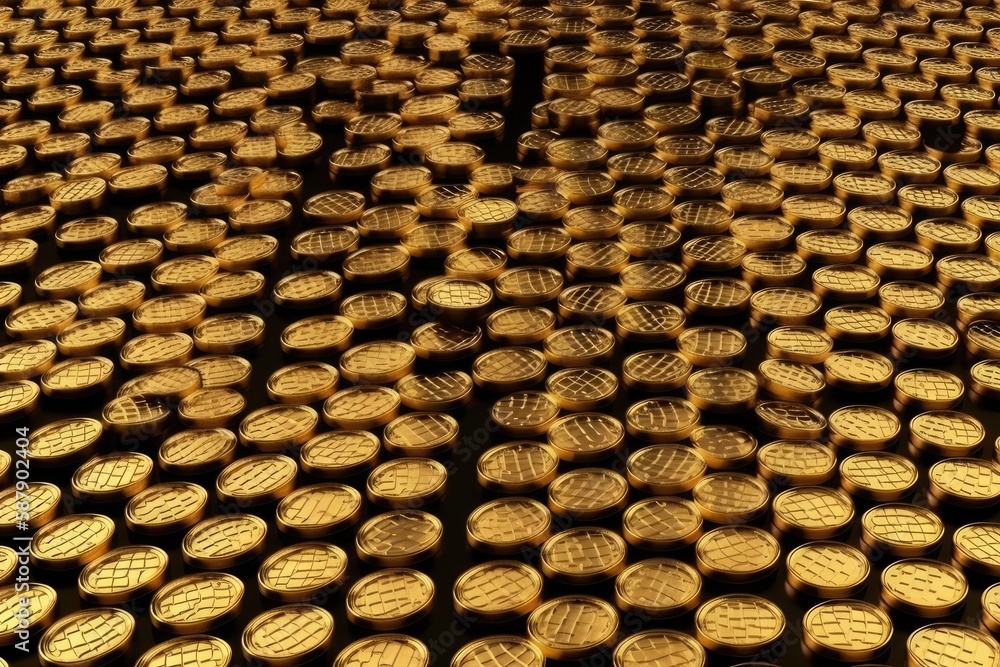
x=303, y=382
x=339, y=453
x=197, y=450
x=407, y=482
x=737, y=554
x=40, y=601
x=793, y=463
x=827, y=570
x=302, y=572
x=40, y=319
x=712, y=345
x=440, y=391
x=166, y=508
x=508, y=525
x=65, y=441
x=8, y=564
x=224, y=541
x=591, y=302
x=924, y=588
x=863, y=427
x=901, y=530
x=858, y=370
x=636, y=650
x=153, y=351
x=390, y=599
x=199, y=650
x=583, y=555
x=588, y=493
x=497, y=591
x=946, y=433
x=664, y=419
x=196, y=603
x=730, y=497
x=499, y=648
x=43, y=501
x=112, y=298
x=881, y=476
x=517, y=467
x=585, y=436
x=99, y=582
x=399, y=537
x=929, y=389
x=973, y=548
x=656, y=370
x=421, y=433
x=111, y=477
x=662, y=523
x=525, y=413
x=520, y=325
x=665, y=469
x=71, y=541
x=361, y=407
x=573, y=627
x=91, y=336
x=984, y=378
x=965, y=482
x=847, y=630
x=791, y=380
x=26, y=359
x=78, y=376
x=257, y=479
x=222, y=371
x=89, y=636
x=288, y=635
x=384, y=649
x=738, y=624
x=724, y=389
x=930, y=644
x=318, y=510
x=795, y=511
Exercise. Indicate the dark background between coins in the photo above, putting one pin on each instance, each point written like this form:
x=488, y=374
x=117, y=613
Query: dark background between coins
x=443, y=631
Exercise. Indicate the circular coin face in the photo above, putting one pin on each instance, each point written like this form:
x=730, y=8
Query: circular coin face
x=71, y=541
x=573, y=627
x=196, y=602
x=508, y=525
x=497, y=591
x=99, y=635
x=499, y=648
x=737, y=554
x=390, y=598
x=399, y=537
x=847, y=630
x=738, y=624
x=100, y=582
x=384, y=649
x=941, y=591
x=827, y=569
x=288, y=635
x=224, y=541
x=302, y=572
x=931, y=643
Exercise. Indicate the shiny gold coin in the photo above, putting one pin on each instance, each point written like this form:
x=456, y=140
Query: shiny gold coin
x=224, y=541
x=737, y=554
x=858, y=370
x=946, y=433
x=308, y=289
x=517, y=467
x=18, y=399
x=43, y=501
x=197, y=450
x=583, y=555
x=8, y=564
x=656, y=370
x=166, y=508
x=929, y=389
x=760, y=623
x=984, y=380
x=196, y=602
x=589, y=302
x=525, y=413
x=318, y=510
x=111, y=477
x=339, y=453
x=497, y=591
x=712, y=345
x=827, y=569
x=586, y=436
x=112, y=298
x=96, y=635
x=730, y=497
x=40, y=319
x=662, y=419
x=795, y=512
x=901, y=530
x=390, y=599
x=26, y=359
x=40, y=601
x=588, y=493
x=662, y=523
x=636, y=649
x=520, y=325
x=255, y=480
x=863, y=427
x=222, y=371
x=933, y=640
x=68, y=542
x=847, y=629
x=724, y=389
x=924, y=588
x=288, y=635
x=965, y=482
x=398, y=649
x=573, y=627
x=796, y=463
x=361, y=407
x=153, y=351
x=974, y=548
x=440, y=391
x=302, y=572
x=508, y=525
x=399, y=537
x=881, y=476
x=65, y=441
x=499, y=648
x=407, y=482
x=303, y=382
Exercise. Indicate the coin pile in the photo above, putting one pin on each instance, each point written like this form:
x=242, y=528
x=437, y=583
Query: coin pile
x=727, y=315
